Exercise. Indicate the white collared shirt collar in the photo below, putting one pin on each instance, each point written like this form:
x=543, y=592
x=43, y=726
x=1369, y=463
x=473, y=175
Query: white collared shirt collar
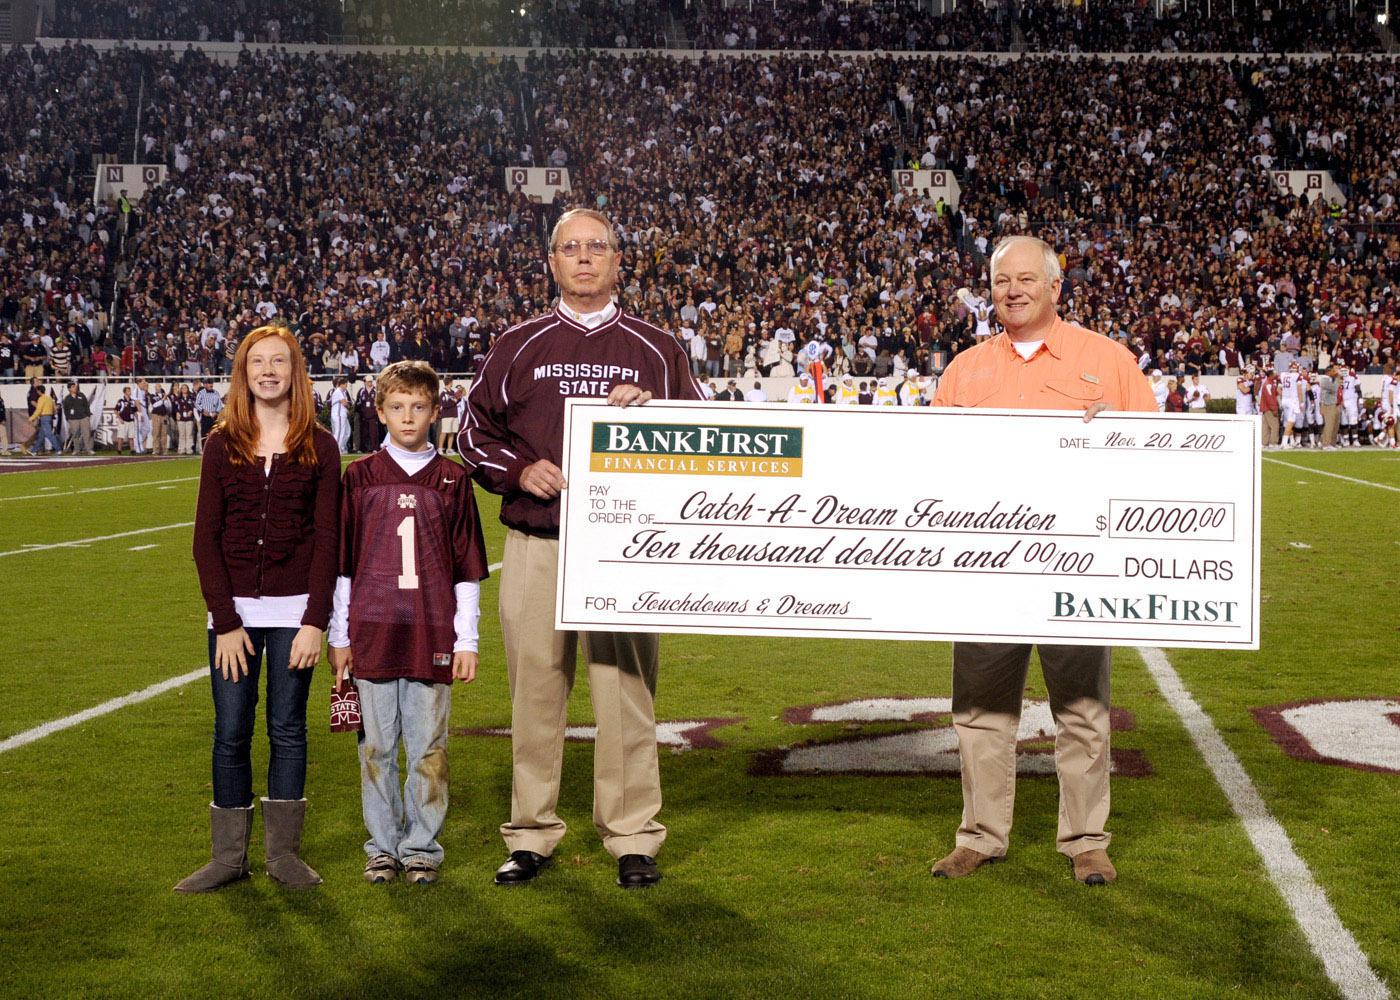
x=592, y=320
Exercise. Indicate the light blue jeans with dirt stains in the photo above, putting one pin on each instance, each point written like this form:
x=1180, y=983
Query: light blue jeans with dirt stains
x=404, y=824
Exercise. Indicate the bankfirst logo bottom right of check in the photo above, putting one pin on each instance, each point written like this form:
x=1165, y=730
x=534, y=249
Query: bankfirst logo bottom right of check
x=1144, y=607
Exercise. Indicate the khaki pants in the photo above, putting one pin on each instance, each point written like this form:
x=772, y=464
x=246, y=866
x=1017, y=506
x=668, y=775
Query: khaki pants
x=80, y=436
x=1270, y=428
x=185, y=431
x=989, y=680
x=160, y=433
x=1330, y=416
x=622, y=670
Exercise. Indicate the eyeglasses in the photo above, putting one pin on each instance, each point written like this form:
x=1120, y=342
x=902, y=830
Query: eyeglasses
x=571, y=248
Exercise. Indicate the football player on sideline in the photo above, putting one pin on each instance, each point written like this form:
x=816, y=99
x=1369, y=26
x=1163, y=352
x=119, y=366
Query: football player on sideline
x=1291, y=392
x=1351, y=406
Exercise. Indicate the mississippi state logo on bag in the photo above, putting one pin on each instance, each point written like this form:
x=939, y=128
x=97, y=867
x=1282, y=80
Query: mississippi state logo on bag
x=345, y=708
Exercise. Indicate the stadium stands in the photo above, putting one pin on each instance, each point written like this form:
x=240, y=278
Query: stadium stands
x=1129, y=26
x=198, y=20
x=349, y=194
x=831, y=25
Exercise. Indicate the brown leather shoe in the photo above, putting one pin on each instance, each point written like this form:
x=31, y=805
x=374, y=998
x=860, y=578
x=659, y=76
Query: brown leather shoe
x=1093, y=868
x=962, y=862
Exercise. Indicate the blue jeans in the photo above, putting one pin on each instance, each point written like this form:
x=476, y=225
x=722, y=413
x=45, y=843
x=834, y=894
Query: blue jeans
x=235, y=711
x=404, y=824
x=46, y=436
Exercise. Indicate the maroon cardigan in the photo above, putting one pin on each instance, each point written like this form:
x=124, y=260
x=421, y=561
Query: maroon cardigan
x=267, y=535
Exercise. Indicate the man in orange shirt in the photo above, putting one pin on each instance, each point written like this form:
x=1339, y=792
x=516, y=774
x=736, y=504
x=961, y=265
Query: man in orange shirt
x=1041, y=363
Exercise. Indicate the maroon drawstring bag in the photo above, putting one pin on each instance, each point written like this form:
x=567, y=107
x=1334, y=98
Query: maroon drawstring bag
x=345, y=708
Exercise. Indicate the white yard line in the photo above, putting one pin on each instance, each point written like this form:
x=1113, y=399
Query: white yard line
x=143, y=548
x=1334, y=475
x=67, y=722
x=97, y=489
x=1342, y=958
x=79, y=543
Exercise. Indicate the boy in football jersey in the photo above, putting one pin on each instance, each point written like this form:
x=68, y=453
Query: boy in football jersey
x=405, y=620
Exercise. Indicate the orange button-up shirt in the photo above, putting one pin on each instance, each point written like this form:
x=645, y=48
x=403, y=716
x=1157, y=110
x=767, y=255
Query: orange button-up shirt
x=1073, y=369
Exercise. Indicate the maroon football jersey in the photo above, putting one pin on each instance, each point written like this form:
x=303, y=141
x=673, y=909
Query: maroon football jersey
x=404, y=542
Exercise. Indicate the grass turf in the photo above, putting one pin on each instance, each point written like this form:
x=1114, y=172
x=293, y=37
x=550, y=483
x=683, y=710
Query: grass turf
x=775, y=886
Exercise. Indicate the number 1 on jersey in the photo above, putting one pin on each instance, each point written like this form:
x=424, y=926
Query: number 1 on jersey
x=408, y=579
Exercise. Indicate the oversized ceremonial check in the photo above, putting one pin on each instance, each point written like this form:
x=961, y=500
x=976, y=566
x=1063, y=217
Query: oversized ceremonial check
x=894, y=523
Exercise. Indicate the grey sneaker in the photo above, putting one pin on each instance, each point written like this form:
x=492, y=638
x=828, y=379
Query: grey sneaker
x=420, y=871
x=381, y=868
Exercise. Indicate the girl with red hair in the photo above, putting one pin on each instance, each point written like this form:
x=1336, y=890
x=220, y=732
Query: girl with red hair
x=266, y=546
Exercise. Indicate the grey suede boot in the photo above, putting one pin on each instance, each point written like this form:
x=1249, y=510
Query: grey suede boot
x=282, y=821
x=229, y=829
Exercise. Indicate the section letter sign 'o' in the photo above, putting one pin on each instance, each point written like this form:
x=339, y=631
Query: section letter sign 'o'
x=878, y=523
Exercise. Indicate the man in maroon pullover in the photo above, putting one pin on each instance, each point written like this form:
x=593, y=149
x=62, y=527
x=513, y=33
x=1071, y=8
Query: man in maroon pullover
x=512, y=441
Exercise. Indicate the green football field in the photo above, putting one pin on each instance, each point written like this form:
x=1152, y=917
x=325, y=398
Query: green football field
x=776, y=884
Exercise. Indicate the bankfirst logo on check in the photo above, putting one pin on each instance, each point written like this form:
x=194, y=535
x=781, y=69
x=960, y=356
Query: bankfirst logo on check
x=696, y=449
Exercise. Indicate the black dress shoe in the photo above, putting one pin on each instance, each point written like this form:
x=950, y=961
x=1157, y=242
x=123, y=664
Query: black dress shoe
x=637, y=871
x=521, y=867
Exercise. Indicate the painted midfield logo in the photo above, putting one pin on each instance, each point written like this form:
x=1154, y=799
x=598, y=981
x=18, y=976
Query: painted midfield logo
x=907, y=736
x=1362, y=733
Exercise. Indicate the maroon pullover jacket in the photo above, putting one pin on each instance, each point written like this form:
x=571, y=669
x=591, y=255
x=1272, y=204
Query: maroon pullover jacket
x=515, y=410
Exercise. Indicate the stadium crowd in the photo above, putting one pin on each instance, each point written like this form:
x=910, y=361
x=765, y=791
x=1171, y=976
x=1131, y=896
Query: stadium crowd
x=1247, y=26
x=360, y=199
x=836, y=26
x=825, y=25
x=57, y=250
x=564, y=23
x=277, y=21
